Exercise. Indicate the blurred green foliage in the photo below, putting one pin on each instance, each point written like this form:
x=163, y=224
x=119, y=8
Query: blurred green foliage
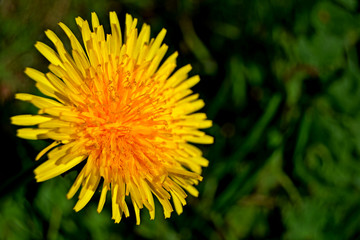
x=281, y=80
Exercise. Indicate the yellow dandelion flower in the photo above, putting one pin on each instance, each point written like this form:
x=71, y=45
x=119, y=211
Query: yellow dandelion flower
x=116, y=106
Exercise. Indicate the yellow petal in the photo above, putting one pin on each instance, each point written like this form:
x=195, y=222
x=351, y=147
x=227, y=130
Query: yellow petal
x=30, y=133
x=116, y=215
x=102, y=197
x=48, y=53
x=156, y=45
x=37, y=76
x=94, y=21
x=90, y=187
x=179, y=76
x=29, y=120
x=186, y=108
x=116, y=38
x=49, y=169
x=45, y=150
x=183, y=173
x=76, y=185
x=188, y=83
x=177, y=204
x=137, y=213
x=201, y=140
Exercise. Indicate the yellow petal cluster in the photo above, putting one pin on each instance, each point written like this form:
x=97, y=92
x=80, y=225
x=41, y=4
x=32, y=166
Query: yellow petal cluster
x=114, y=104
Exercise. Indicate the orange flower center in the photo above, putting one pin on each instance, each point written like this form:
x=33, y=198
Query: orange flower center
x=125, y=131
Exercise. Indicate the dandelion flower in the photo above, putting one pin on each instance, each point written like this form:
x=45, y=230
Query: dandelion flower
x=113, y=104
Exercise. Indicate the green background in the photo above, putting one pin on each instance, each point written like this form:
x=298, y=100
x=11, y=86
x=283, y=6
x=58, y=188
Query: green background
x=281, y=81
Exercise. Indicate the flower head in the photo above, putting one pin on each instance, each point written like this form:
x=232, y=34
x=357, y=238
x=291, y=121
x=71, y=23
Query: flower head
x=116, y=106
